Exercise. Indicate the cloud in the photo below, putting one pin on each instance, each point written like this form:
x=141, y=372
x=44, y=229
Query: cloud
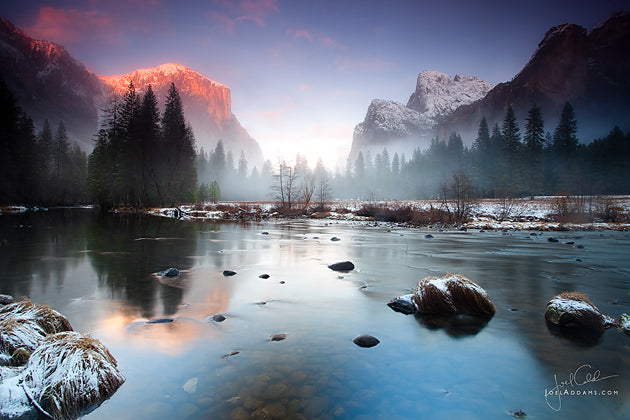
x=304, y=87
x=300, y=33
x=310, y=36
x=72, y=26
x=227, y=14
x=369, y=64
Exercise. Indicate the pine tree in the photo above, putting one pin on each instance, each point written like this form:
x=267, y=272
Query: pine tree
x=511, y=146
x=149, y=150
x=242, y=166
x=534, y=130
x=179, y=149
x=60, y=164
x=564, y=140
x=534, y=143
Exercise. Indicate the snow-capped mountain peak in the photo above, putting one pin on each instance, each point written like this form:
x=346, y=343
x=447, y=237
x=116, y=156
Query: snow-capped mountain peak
x=437, y=95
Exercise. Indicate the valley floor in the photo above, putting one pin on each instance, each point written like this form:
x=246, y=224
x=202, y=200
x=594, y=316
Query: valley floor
x=537, y=213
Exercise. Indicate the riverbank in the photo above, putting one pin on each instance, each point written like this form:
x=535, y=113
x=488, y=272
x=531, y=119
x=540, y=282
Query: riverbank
x=538, y=213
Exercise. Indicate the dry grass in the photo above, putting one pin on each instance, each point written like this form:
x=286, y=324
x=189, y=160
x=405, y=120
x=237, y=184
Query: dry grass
x=576, y=296
x=452, y=294
x=16, y=333
x=48, y=319
x=72, y=374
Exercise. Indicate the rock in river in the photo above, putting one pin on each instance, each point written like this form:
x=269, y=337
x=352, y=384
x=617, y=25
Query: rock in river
x=365, y=341
x=277, y=337
x=576, y=312
x=218, y=318
x=342, y=266
x=450, y=295
x=263, y=276
x=171, y=272
x=228, y=273
x=404, y=304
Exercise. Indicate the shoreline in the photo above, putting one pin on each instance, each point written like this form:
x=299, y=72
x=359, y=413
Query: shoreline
x=538, y=214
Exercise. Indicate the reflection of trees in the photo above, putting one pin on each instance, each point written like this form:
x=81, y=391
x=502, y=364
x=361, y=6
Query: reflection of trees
x=39, y=248
x=126, y=250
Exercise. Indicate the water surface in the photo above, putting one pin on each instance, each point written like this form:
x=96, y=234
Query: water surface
x=99, y=270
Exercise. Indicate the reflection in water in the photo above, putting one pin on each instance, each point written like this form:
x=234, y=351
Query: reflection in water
x=99, y=270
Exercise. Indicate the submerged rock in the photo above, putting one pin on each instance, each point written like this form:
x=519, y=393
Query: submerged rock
x=366, y=340
x=574, y=311
x=160, y=320
x=451, y=294
x=229, y=273
x=277, y=337
x=342, y=266
x=264, y=276
x=171, y=272
x=335, y=239
x=404, y=304
x=428, y=236
x=552, y=239
x=218, y=318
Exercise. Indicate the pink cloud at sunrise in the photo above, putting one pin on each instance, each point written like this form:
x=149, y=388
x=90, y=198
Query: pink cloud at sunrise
x=72, y=25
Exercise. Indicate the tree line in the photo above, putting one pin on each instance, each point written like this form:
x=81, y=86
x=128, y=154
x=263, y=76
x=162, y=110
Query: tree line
x=142, y=158
x=37, y=168
x=502, y=161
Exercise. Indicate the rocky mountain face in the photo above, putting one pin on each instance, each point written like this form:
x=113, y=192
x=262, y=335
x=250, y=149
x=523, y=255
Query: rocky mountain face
x=50, y=84
x=207, y=106
x=588, y=69
x=436, y=96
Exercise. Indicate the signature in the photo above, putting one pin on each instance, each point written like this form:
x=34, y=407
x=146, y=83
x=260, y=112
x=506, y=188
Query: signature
x=581, y=376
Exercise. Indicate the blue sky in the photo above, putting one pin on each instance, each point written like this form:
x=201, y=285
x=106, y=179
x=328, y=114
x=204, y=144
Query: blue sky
x=302, y=73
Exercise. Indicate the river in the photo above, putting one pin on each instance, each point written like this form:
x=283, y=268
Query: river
x=100, y=271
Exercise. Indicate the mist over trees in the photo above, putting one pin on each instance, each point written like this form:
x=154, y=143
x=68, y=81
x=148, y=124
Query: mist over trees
x=502, y=162
x=143, y=158
x=37, y=168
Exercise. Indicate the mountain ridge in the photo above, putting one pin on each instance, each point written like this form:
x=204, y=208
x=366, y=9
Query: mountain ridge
x=51, y=84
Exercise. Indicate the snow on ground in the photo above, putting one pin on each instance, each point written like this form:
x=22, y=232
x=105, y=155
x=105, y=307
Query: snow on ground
x=538, y=213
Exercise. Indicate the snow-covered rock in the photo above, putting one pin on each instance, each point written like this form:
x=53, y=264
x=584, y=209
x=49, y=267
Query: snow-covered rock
x=574, y=311
x=437, y=95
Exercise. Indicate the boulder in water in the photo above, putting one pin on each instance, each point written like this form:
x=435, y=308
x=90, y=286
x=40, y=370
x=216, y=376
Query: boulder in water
x=404, y=304
x=450, y=295
x=229, y=273
x=342, y=266
x=366, y=340
x=170, y=272
x=576, y=312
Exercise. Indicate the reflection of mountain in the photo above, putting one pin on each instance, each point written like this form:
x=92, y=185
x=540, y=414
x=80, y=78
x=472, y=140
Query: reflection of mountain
x=125, y=265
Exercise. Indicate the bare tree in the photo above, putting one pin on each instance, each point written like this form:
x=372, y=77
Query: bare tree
x=307, y=188
x=285, y=187
x=457, y=197
x=323, y=192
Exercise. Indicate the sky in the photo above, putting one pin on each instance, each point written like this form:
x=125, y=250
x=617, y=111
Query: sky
x=302, y=73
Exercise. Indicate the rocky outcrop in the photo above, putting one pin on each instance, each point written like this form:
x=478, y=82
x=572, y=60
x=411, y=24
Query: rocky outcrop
x=588, y=69
x=436, y=96
x=50, y=84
